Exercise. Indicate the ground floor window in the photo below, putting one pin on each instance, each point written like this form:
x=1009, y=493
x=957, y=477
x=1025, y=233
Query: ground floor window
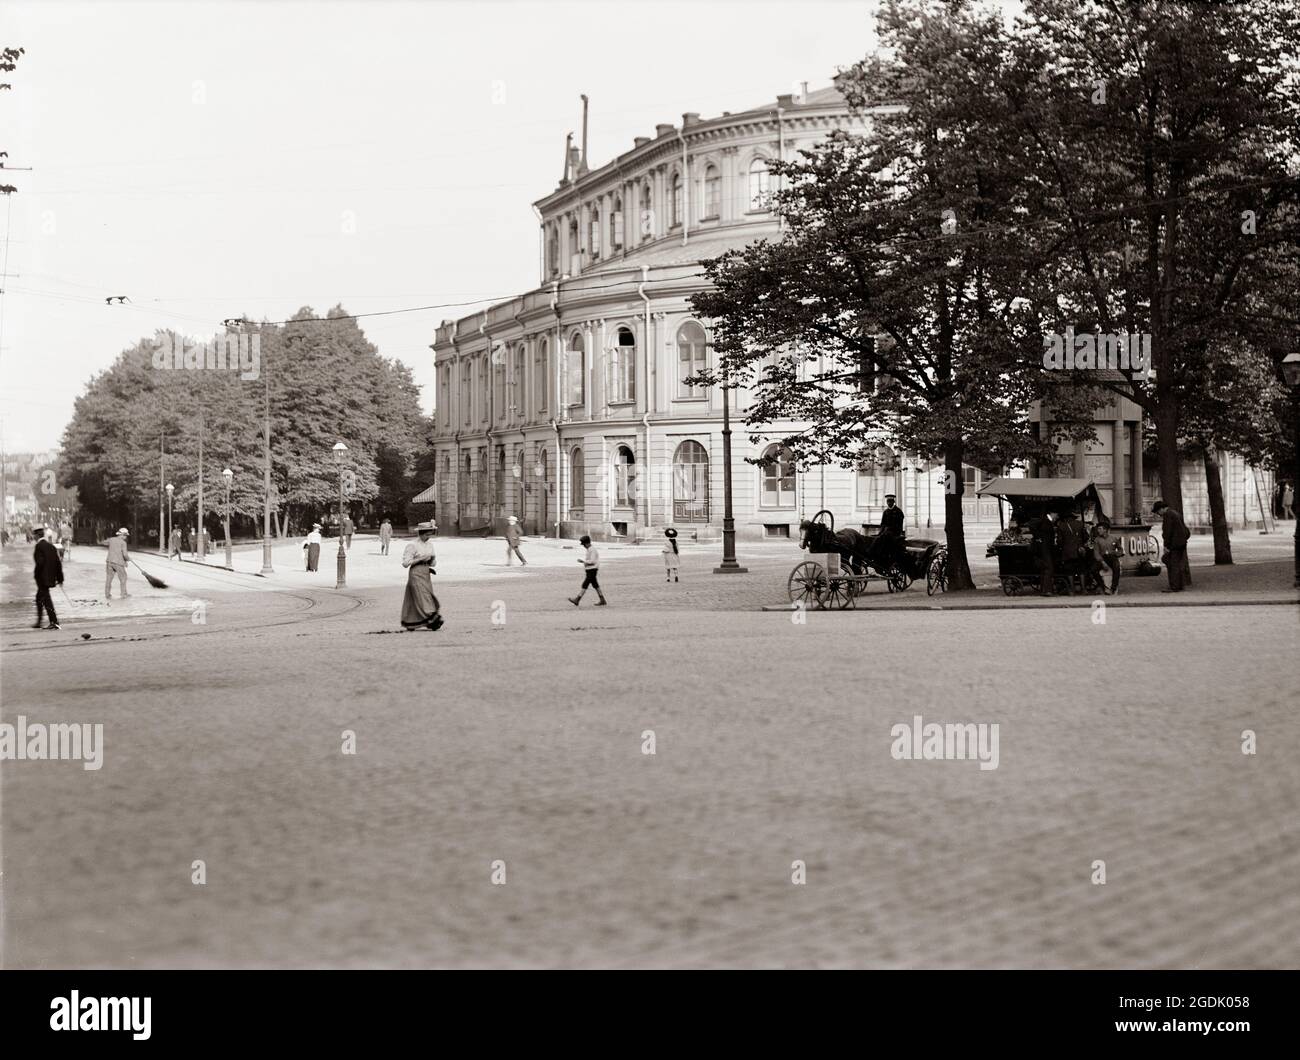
x=691, y=483
x=624, y=477
x=777, y=478
x=577, y=483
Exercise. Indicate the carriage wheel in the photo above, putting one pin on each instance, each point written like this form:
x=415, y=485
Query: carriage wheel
x=838, y=593
x=897, y=579
x=807, y=582
x=1012, y=586
x=936, y=578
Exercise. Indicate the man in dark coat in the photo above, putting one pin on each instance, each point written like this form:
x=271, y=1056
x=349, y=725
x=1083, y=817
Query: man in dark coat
x=48, y=573
x=1175, y=534
x=887, y=549
x=1042, y=550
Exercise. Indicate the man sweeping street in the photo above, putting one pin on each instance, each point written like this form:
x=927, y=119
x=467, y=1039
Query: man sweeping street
x=513, y=537
x=49, y=573
x=115, y=565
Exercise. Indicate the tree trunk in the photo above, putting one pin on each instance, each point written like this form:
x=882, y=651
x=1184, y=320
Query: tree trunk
x=1218, y=516
x=959, y=576
x=1171, y=484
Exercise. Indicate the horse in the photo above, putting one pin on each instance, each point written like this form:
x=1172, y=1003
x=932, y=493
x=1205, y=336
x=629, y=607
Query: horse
x=854, y=548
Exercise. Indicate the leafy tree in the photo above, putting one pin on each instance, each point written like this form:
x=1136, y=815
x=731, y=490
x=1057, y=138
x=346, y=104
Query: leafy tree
x=898, y=301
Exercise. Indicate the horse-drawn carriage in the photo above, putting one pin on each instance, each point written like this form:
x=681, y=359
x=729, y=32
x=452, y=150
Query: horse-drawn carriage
x=842, y=564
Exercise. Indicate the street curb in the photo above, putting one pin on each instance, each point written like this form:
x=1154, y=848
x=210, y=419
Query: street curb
x=1053, y=605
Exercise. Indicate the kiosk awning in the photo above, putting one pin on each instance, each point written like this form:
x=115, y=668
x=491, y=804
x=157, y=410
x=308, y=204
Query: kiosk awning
x=428, y=496
x=1035, y=489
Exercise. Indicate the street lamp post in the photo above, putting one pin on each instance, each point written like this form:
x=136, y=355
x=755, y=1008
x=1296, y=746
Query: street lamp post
x=170, y=490
x=1291, y=376
x=340, y=452
x=228, y=476
x=729, y=564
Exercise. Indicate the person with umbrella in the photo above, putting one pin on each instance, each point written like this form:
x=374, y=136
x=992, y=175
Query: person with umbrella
x=420, y=609
x=48, y=573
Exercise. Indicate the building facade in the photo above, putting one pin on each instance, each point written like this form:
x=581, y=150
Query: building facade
x=570, y=406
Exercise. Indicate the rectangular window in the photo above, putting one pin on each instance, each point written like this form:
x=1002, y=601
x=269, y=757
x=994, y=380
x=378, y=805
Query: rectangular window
x=574, y=369
x=498, y=391
x=776, y=529
x=540, y=377
x=620, y=378
x=690, y=361
x=480, y=494
x=466, y=405
x=618, y=229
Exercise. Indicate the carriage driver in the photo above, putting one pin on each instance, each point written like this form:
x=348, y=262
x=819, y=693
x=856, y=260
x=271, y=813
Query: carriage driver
x=888, y=546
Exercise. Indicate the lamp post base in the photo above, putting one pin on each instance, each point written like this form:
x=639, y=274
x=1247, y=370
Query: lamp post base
x=342, y=582
x=730, y=568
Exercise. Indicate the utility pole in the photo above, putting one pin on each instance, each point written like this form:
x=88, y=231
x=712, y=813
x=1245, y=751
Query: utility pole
x=162, y=492
x=200, y=526
x=266, y=467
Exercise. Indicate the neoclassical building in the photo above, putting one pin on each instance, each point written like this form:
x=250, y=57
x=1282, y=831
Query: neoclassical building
x=569, y=407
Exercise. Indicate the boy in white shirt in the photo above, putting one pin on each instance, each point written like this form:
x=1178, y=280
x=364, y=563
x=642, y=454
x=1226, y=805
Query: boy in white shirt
x=590, y=563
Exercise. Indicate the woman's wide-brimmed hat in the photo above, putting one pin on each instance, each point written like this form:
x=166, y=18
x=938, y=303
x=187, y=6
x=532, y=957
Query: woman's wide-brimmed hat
x=670, y=532
x=429, y=525
x=315, y=526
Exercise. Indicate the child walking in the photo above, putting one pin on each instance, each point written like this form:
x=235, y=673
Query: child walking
x=591, y=564
x=670, y=554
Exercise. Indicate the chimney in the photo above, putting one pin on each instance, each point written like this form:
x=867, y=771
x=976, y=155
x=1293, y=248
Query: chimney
x=582, y=165
x=640, y=141
x=568, y=159
x=691, y=117
x=803, y=91
x=785, y=101
x=665, y=129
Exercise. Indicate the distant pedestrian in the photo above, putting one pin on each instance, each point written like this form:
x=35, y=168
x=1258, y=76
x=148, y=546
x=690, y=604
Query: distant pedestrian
x=385, y=536
x=115, y=565
x=1288, y=501
x=194, y=542
x=513, y=537
x=65, y=541
x=591, y=564
x=346, y=529
x=671, y=556
x=174, y=543
x=1176, y=535
x=312, y=547
x=186, y=541
x=420, y=609
x=48, y=573
x=207, y=542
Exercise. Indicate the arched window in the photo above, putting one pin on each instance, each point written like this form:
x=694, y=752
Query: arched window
x=616, y=225
x=541, y=375
x=575, y=258
x=677, y=199
x=691, y=483
x=499, y=486
x=620, y=383
x=466, y=490
x=876, y=477
x=690, y=358
x=575, y=369
x=647, y=213
x=497, y=365
x=577, y=481
x=624, y=477
x=777, y=478
x=595, y=232
x=759, y=185
x=712, y=205
x=553, y=249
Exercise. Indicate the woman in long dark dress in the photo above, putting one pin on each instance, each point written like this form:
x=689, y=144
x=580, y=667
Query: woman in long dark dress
x=420, y=606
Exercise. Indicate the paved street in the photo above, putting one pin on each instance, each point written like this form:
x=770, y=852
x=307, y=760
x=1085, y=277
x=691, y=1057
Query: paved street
x=522, y=742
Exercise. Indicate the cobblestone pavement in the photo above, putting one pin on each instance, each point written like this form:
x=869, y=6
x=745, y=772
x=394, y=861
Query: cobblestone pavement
x=522, y=742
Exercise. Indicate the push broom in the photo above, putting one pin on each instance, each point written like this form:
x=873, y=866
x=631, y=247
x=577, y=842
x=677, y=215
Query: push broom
x=157, y=583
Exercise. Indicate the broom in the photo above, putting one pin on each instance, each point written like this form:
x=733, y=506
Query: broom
x=157, y=583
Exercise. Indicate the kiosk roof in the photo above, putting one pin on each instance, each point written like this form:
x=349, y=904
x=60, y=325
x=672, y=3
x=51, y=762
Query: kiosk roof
x=1036, y=488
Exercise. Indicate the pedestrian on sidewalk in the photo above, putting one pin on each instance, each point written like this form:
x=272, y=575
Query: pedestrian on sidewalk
x=115, y=565
x=513, y=537
x=671, y=555
x=174, y=544
x=347, y=529
x=385, y=536
x=185, y=540
x=1103, y=554
x=1176, y=535
x=65, y=541
x=48, y=573
x=420, y=608
x=312, y=546
x=591, y=564
x=1288, y=501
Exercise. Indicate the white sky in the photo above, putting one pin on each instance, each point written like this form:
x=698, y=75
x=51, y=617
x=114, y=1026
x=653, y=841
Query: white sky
x=234, y=205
